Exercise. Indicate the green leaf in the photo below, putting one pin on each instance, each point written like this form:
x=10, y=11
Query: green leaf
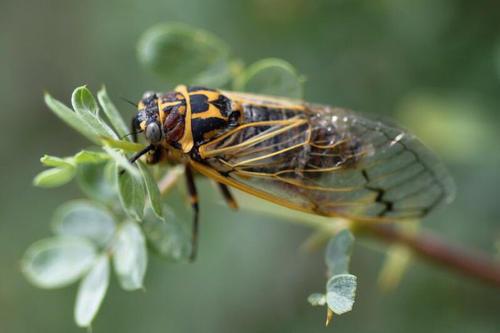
x=167, y=235
x=54, y=177
x=395, y=264
x=87, y=110
x=98, y=181
x=338, y=253
x=123, y=162
x=112, y=113
x=271, y=77
x=317, y=299
x=132, y=194
x=87, y=156
x=340, y=293
x=152, y=189
x=130, y=256
x=81, y=218
x=217, y=75
x=91, y=292
x=57, y=262
x=54, y=161
x=84, y=102
x=70, y=118
x=184, y=54
x=127, y=146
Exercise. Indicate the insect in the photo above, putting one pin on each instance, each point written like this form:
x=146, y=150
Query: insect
x=313, y=158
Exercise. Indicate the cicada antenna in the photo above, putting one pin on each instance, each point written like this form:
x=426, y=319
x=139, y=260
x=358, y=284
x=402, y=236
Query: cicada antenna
x=129, y=102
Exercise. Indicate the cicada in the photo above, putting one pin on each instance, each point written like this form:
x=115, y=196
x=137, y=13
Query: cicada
x=313, y=158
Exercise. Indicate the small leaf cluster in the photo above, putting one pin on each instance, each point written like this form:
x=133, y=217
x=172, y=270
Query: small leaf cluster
x=122, y=215
x=182, y=54
x=341, y=286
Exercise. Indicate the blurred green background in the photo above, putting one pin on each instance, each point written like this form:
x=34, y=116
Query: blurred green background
x=434, y=66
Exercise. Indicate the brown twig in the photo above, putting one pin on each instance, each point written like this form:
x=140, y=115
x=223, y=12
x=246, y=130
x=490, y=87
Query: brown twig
x=423, y=243
x=432, y=248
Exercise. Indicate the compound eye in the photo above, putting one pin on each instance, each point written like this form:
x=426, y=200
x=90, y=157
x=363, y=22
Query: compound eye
x=153, y=133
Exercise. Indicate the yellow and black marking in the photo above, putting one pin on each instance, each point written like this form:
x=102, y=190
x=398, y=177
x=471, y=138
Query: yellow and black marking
x=313, y=158
x=206, y=113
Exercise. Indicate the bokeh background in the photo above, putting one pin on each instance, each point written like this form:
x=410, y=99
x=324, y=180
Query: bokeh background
x=434, y=66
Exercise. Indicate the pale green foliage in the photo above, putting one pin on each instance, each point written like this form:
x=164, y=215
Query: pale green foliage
x=71, y=118
x=129, y=256
x=271, y=77
x=54, y=177
x=183, y=54
x=97, y=181
x=341, y=286
x=86, y=156
x=122, y=162
x=112, y=113
x=83, y=102
x=167, y=236
x=86, y=107
x=152, y=190
x=82, y=218
x=126, y=146
x=57, y=262
x=317, y=299
x=395, y=265
x=340, y=292
x=338, y=253
x=91, y=291
x=54, y=161
x=132, y=194
x=90, y=232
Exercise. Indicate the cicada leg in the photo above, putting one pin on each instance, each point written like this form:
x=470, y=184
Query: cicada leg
x=193, y=198
x=228, y=196
x=137, y=155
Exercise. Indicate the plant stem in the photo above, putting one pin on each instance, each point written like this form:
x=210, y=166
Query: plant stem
x=169, y=180
x=435, y=249
x=423, y=243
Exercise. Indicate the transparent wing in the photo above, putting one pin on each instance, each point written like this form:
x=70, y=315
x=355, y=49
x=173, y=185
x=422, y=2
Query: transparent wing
x=333, y=162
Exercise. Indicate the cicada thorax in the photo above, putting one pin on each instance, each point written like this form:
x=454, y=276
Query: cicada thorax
x=192, y=116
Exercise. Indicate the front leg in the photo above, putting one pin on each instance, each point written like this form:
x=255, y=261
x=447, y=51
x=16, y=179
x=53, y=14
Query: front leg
x=138, y=155
x=193, y=199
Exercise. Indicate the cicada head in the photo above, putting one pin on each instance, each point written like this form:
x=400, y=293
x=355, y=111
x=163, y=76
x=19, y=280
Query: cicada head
x=148, y=119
